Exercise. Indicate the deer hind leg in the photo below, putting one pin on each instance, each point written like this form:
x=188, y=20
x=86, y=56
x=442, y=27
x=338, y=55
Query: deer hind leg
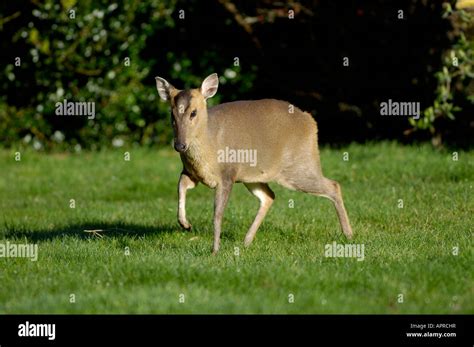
x=322, y=186
x=266, y=196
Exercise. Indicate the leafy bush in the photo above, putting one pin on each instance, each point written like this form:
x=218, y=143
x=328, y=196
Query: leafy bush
x=109, y=53
x=89, y=51
x=456, y=73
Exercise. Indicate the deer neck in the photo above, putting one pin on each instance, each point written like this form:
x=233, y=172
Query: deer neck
x=200, y=158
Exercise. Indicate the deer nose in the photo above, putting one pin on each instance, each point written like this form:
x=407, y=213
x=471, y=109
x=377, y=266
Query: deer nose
x=180, y=147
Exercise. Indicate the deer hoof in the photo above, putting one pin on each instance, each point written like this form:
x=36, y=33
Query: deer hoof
x=185, y=225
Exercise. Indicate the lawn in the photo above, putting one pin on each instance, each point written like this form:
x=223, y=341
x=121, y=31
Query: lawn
x=411, y=208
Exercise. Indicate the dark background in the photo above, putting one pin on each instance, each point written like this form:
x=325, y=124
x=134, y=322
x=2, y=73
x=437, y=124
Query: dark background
x=299, y=60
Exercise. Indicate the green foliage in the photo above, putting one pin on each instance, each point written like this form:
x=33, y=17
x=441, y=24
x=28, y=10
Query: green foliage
x=456, y=73
x=83, y=56
x=90, y=51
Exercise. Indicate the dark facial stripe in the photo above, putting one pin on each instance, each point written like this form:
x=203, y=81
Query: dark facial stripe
x=183, y=98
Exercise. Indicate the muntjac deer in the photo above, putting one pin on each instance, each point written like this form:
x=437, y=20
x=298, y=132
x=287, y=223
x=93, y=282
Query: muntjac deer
x=252, y=142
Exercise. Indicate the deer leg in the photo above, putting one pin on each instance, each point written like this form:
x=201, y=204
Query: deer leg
x=333, y=193
x=322, y=186
x=185, y=183
x=266, y=196
x=220, y=202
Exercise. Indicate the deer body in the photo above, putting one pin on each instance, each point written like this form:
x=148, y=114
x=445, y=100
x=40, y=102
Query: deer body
x=282, y=137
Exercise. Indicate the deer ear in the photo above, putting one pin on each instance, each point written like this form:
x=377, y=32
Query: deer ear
x=164, y=88
x=209, y=86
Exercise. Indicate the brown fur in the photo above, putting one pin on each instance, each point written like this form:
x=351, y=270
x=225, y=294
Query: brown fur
x=285, y=142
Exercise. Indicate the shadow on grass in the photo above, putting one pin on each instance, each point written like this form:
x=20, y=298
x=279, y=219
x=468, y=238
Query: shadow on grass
x=89, y=230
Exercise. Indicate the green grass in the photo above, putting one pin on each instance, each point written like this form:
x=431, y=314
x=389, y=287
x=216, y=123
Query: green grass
x=407, y=250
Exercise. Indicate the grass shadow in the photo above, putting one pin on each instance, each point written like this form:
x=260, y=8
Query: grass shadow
x=87, y=231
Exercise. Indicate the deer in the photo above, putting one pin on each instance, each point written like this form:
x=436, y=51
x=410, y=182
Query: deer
x=284, y=138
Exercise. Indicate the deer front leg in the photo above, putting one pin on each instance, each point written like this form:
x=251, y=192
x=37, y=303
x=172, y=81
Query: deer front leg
x=185, y=183
x=222, y=196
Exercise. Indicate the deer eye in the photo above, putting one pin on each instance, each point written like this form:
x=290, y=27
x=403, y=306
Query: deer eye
x=193, y=114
